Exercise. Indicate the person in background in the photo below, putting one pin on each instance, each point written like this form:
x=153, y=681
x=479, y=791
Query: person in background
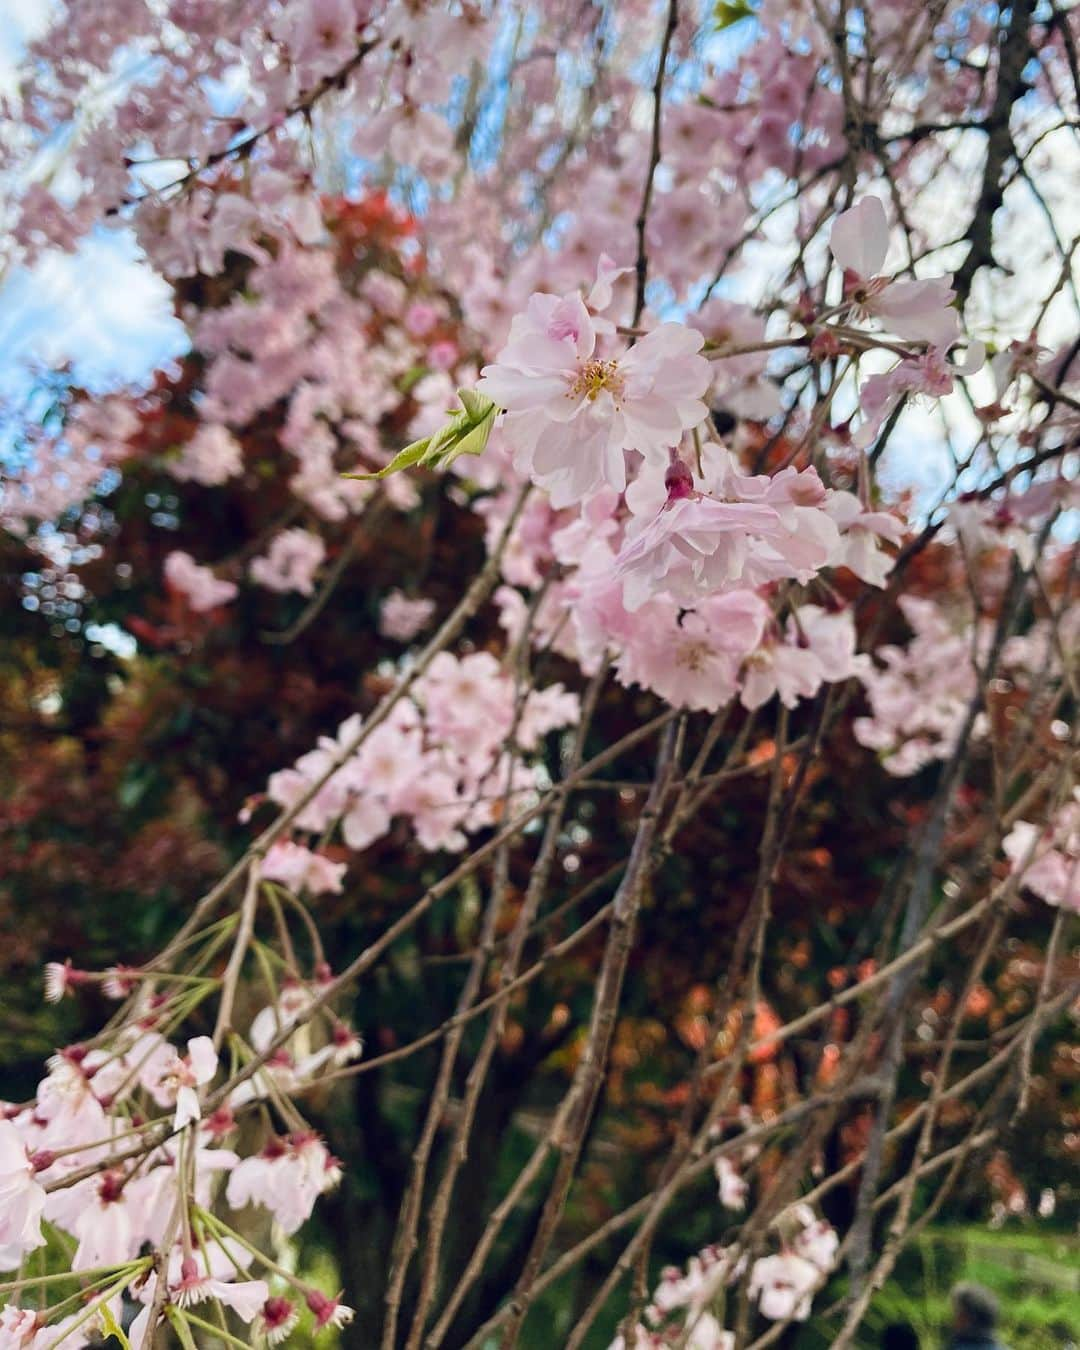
x=975, y=1318
x=899, y=1336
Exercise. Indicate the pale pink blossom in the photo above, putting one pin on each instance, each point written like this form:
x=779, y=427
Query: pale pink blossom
x=185, y=1074
x=927, y=375
x=211, y=457
x=693, y=545
x=320, y=36
x=102, y=1216
x=196, y=1285
x=277, y=1320
x=693, y=661
x=199, y=586
x=817, y=647
x=401, y=618
x=707, y=1334
x=920, y=694
x=61, y=978
x=916, y=310
x=784, y=1286
x=1049, y=859
x=408, y=134
x=733, y=1188
x=819, y=1243
x=571, y=413
x=22, y=1199
x=695, y=534
x=287, y=1177
x=546, y=710
x=860, y=534
x=300, y=869
x=19, y=1327
x=290, y=563
x=420, y=318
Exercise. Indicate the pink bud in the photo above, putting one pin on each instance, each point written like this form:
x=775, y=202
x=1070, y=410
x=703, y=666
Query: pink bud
x=678, y=480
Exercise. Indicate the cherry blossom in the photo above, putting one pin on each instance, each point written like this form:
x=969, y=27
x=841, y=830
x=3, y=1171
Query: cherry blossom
x=733, y=1188
x=185, y=1075
x=329, y=1312
x=919, y=694
x=1049, y=861
x=685, y=401
x=918, y=310
x=22, y=1199
x=572, y=412
x=784, y=1286
x=290, y=563
x=212, y=456
x=199, y=586
x=401, y=618
x=287, y=1177
x=817, y=647
x=300, y=869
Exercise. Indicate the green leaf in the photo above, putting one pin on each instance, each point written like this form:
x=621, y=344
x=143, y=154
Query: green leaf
x=729, y=12
x=466, y=433
x=404, y=459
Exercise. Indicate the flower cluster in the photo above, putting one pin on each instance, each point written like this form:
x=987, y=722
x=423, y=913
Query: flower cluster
x=687, y=1307
x=1048, y=860
x=446, y=760
x=117, y=1152
x=920, y=694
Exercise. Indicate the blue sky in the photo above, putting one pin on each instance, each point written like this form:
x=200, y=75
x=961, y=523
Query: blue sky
x=101, y=308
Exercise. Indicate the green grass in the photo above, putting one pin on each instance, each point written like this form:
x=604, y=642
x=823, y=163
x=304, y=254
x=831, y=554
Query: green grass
x=1035, y=1275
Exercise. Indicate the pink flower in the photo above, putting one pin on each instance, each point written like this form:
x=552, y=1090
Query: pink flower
x=401, y=618
x=693, y=662
x=408, y=134
x=694, y=544
x=320, y=36
x=291, y=562
x=197, y=1284
x=819, y=648
x=18, y=1327
x=818, y=1243
x=286, y=1178
x=200, y=587
x=546, y=710
x=860, y=532
x=212, y=456
x=722, y=529
x=916, y=310
x=301, y=870
x=784, y=1286
x=1050, y=859
x=420, y=318
x=920, y=697
x=99, y=1212
x=706, y=1333
x=733, y=1188
x=571, y=413
x=21, y=1200
x=879, y=395
x=187, y=1073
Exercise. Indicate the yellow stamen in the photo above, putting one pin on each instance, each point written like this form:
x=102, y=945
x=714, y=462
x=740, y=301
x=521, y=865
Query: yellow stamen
x=594, y=377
